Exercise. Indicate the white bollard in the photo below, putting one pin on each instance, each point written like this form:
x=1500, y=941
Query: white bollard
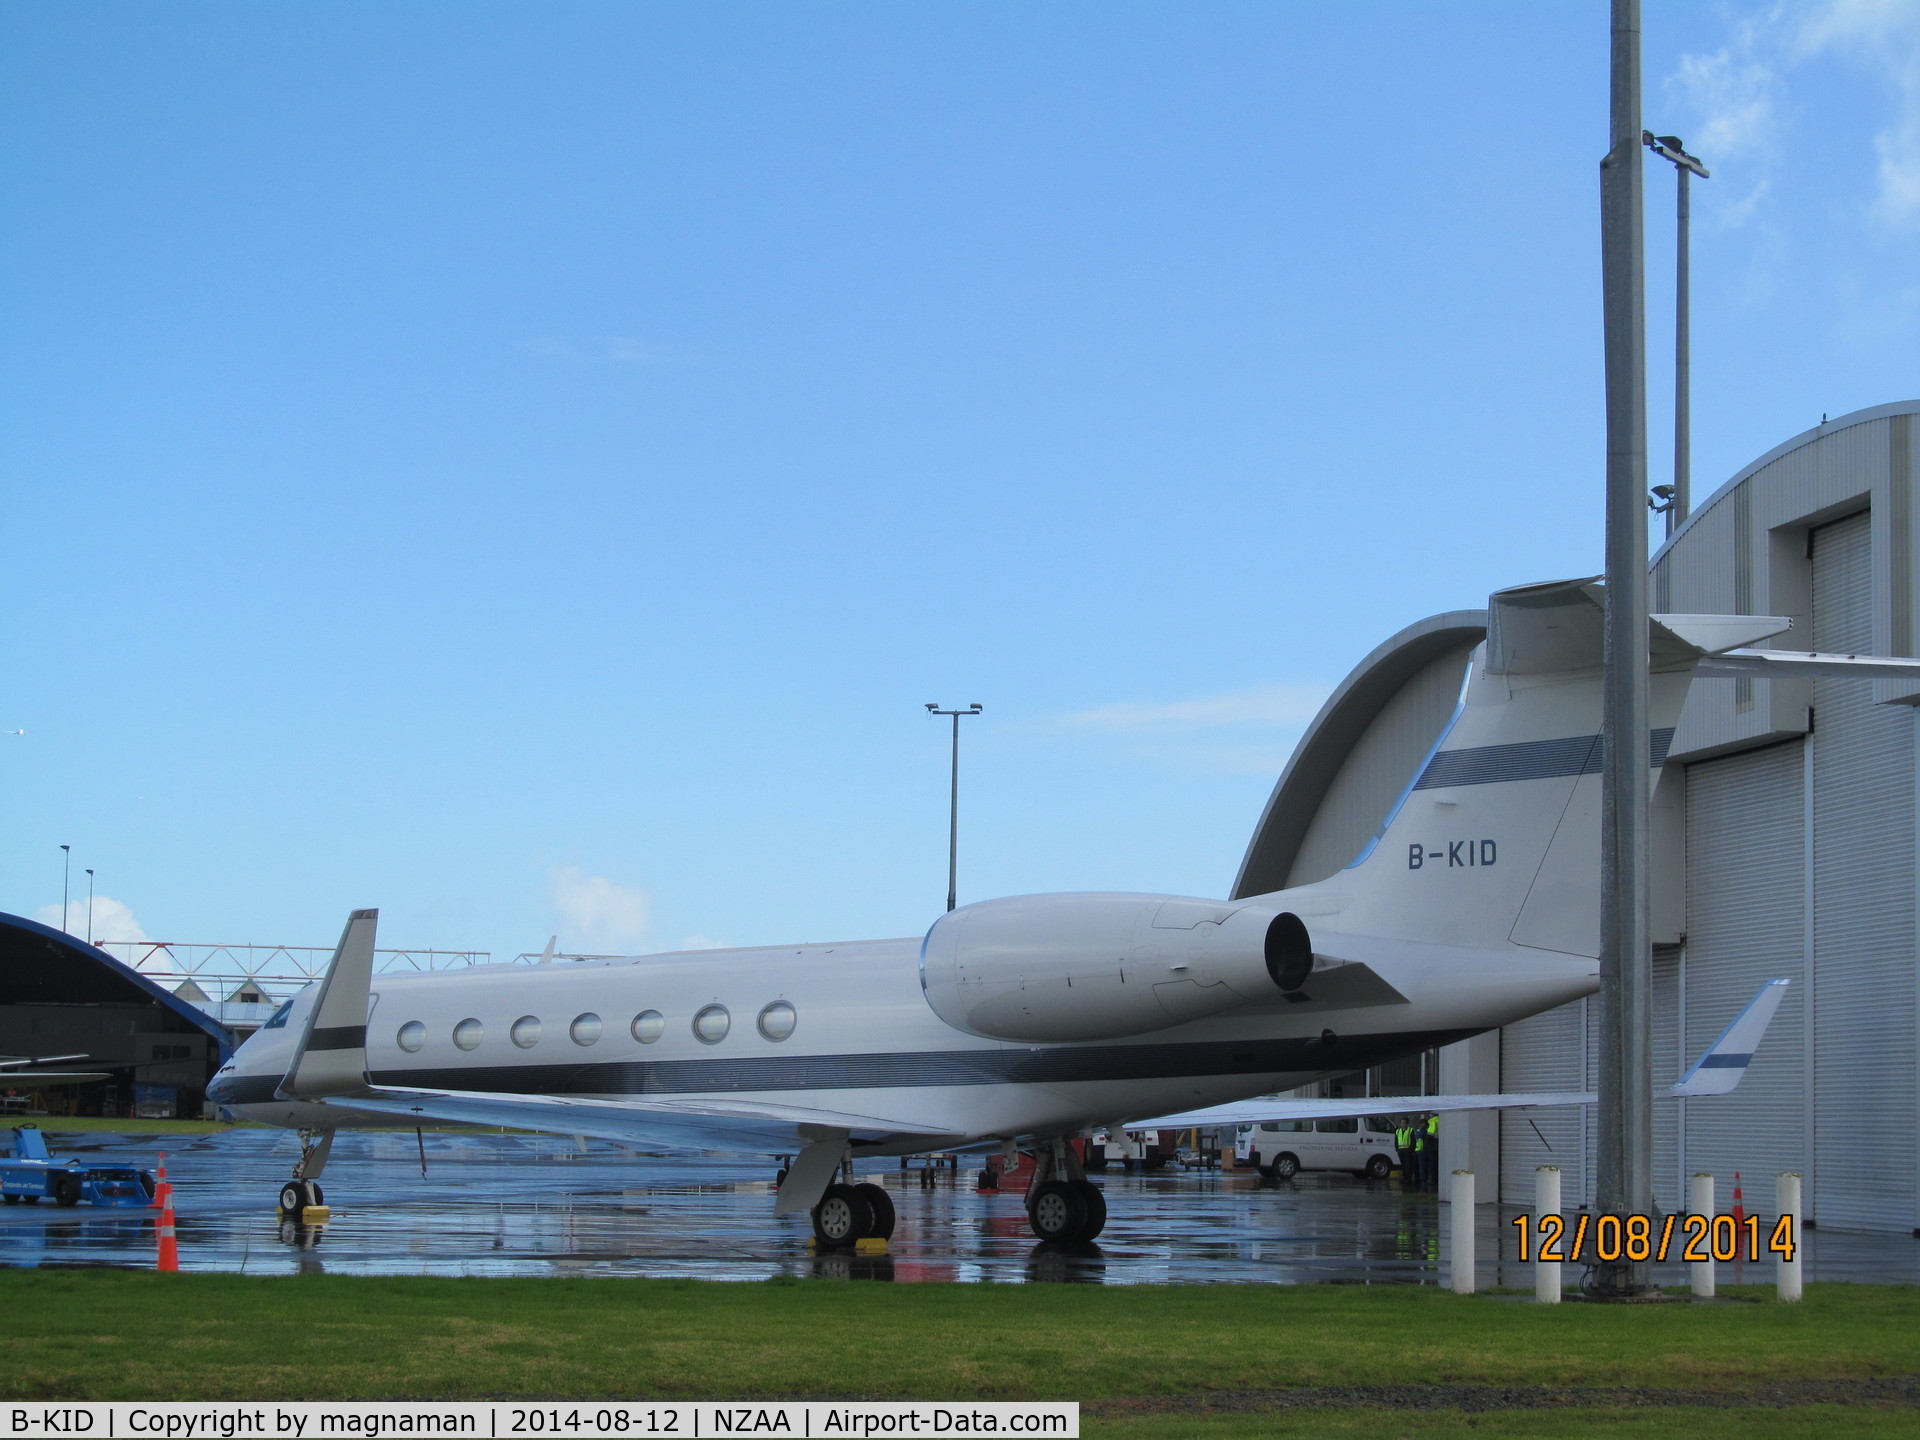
x=1546, y=1201
x=1702, y=1201
x=1787, y=1202
x=1461, y=1196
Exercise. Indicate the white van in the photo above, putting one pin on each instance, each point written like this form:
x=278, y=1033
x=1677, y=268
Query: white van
x=1284, y=1148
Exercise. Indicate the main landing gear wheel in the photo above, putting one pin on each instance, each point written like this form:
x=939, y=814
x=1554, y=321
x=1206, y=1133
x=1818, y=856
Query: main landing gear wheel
x=297, y=1195
x=1096, y=1204
x=1067, y=1211
x=880, y=1205
x=843, y=1217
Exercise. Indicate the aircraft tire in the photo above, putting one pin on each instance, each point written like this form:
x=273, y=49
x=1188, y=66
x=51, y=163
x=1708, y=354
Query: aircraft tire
x=66, y=1188
x=1096, y=1204
x=293, y=1198
x=842, y=1217
x=1058, y=1212
x=881, y=1204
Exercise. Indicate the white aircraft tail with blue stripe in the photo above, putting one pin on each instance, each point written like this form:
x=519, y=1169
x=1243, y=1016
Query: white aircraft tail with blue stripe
x=1725, y=1064
x=1496, y=841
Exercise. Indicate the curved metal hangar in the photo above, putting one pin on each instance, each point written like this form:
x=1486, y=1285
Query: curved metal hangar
x=83, y=1034
x=1784, y=844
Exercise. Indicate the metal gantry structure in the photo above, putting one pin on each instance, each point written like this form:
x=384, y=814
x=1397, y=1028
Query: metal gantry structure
x=223, y=979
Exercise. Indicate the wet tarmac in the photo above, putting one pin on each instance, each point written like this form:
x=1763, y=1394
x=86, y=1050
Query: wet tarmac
x=529, y=1205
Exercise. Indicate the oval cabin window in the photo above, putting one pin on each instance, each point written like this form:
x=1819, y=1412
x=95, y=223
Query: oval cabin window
x=710, y=1026
x=526, y=1032
x=585, y=1029
x=649, y=1026
x=777, y=1020
x=412, y=1036
x=468, y=1034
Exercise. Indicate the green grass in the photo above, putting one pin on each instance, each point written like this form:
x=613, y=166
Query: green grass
x=1811, y=1422
x=88, y=1124
x=115, y=1334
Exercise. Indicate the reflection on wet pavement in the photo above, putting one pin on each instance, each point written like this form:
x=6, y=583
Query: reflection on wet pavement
x=531, y=1205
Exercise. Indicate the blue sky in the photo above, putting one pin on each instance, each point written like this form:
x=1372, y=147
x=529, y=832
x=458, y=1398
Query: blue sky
x=524, y=466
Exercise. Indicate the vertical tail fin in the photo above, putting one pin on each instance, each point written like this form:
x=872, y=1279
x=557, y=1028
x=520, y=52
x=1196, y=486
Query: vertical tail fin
x=1497, y=838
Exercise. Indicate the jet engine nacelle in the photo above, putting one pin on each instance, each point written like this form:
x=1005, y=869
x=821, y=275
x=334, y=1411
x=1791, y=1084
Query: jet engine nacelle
x=1096, y=967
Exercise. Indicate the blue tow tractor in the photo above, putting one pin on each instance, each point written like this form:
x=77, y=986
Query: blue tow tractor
x=30, y=1173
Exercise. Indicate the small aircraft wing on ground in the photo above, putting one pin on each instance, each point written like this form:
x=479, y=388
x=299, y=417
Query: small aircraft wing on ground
x=1717, y=1072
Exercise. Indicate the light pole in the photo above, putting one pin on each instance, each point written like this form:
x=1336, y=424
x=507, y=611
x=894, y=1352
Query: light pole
x=89, y=907
x=1624, y=1158
x=66, y=874
x=1685, y=167
x=953, y=803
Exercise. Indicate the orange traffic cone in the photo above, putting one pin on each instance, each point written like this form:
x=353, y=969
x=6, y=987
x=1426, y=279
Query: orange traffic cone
x=1739, y=1210
x=162, y=1191
x=169, y=1246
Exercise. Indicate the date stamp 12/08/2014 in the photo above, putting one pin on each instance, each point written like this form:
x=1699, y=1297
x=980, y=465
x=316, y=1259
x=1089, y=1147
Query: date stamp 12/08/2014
x=1691, y=1238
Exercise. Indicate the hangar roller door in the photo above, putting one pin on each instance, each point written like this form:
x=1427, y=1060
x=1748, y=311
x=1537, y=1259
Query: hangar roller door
x=1668, y=1190
x=1745, y=883
x=1544, y=1052
x=1863, y=874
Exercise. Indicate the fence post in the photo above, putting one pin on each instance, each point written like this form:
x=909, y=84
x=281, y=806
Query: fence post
x=1702, y=1201
x=1546, y=1201
x=1787, y=1272
x=1461, y=1196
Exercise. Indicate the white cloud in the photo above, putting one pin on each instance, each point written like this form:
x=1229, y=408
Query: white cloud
x=1736, y=94
x=1883, y=35
x=598, y=916
x=1265, y=706
x=111, y=919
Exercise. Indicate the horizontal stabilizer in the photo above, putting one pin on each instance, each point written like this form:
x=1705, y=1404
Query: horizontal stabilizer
x=1795, y=664
x=1713, y=634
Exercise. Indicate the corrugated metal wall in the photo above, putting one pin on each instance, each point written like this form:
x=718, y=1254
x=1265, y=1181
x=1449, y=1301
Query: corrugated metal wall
x=1822, y=530
x=1745, y=926
x=1863, y=875
x=1544, y=1052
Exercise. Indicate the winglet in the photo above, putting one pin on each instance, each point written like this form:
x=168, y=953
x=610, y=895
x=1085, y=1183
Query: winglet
x=1725, y=1063
x=332, y=1058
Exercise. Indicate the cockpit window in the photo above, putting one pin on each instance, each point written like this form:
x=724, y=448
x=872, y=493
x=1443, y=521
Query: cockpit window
x=279, y=1020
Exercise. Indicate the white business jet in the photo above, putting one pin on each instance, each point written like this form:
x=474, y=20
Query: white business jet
x=1024, y=1022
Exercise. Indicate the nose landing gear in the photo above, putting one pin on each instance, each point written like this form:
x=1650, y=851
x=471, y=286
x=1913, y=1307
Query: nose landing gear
x=304, y=1189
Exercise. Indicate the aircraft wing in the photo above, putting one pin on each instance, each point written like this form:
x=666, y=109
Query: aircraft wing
x=1260, y=1112
x=667, y=1124
x=1717, y=1072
